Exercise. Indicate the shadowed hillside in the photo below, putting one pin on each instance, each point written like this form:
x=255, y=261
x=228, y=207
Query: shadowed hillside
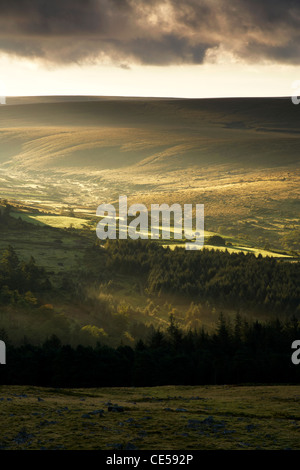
x=43, y=133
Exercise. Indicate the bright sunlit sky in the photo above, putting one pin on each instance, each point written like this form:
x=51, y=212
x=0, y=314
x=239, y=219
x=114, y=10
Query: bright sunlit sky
x=21, y=77
x=197, y=48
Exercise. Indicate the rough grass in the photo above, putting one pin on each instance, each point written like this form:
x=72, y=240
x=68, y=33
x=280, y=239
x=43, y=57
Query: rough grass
x=158, y=418
x=57, y=251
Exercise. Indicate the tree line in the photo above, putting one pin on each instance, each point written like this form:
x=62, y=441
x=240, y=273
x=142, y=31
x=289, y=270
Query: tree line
x=237, y=353
x=227, y=280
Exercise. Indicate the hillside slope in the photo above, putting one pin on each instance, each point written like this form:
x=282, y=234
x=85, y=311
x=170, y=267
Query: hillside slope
x=111, y=133
x=239, y=157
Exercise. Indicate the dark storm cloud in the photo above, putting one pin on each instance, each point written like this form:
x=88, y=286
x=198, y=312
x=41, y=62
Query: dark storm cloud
x=150, y=31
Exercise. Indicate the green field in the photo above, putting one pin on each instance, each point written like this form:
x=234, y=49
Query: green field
x=56, y=250
x=158, y=418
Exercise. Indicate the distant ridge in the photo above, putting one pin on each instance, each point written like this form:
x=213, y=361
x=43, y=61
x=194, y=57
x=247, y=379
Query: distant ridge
x=13, y=100
x=95, y=132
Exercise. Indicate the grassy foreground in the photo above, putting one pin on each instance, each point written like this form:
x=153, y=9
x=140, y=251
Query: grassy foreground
x=158, y=418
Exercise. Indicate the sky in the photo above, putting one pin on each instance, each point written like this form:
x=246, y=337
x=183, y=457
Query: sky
x=163, y=48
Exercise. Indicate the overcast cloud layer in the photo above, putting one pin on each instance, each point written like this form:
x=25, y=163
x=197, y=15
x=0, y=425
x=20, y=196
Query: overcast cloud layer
x=158, y=32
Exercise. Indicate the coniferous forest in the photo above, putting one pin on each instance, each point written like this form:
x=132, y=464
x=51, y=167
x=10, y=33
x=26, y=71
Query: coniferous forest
x=229, y=279
x=238, y=351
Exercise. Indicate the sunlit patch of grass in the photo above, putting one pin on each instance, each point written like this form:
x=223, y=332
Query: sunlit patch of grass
x=58, y=221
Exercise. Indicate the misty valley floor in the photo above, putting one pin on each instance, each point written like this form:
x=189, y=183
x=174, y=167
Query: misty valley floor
x=158, y=418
